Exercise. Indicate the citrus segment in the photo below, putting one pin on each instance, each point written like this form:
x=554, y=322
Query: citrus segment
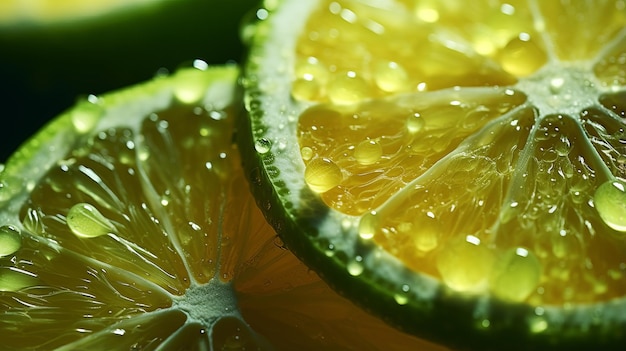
x=443, y=160
x=377, y=147
x=596, y=24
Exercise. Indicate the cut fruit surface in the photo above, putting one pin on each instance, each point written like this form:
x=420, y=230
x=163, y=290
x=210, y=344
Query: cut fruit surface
x=126, y=224
x=457, y=170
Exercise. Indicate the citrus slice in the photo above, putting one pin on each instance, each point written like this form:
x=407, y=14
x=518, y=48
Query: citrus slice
x=456, y=169
x=126, y=224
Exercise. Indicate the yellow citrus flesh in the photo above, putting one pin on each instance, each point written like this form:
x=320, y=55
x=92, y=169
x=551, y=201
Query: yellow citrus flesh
x=481, y=145
x=143, y=235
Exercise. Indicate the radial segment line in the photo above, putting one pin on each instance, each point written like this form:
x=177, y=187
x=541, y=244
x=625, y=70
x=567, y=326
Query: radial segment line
x=539, y=23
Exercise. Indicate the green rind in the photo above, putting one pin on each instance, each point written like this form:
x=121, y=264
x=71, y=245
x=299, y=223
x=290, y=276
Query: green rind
x=449, y=318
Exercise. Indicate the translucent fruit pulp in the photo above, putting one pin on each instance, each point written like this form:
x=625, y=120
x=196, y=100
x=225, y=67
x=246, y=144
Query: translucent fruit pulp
x=489, y=156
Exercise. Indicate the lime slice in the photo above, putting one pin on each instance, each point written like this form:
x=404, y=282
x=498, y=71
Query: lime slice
x=127, y=224
x=457, y=170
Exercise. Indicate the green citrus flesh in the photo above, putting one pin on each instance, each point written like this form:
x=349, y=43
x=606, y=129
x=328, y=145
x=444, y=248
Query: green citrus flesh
x=126, y=223
x=457, y=171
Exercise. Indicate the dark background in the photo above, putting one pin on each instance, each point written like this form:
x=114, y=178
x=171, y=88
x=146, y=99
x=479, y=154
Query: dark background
x=45, y=69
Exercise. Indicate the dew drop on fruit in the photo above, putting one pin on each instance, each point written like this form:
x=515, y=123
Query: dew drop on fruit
x=516, y=275
x=14, y=279
x=305, y=90
x=402, y=297
x=347, y=89
x=165, y=199
x=465, y=265
x=415, y=123
x=10, y=240
x=538, y=324
x=368, y=225
x=311, y=69
x=355, y=267
x=390, y=77
x=425, y=231
x=190, y=87
x=368, y=152
x=86, y=114
x=263, y=145
x=85, y=221
x=610, y=202
x=330, y=250
x=322, y=174
x=522, y=56
x=306, y=153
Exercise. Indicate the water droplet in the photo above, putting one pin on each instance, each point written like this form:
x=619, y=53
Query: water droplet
x=311, y=69
x=165, y=199
x=610, y=202
x=391, y=77
x=330, y=250
x=522, y=56
x=307, y=153
x=556, y=85
x=86, y=221
x=415, y=123
x=14, y=279
x=322, y=174
x=355, y=267
x=306, y=90
x=516, y=275
x=10, y=240
x=347, y=89
x=537, y=324
x=368, y=225
x=402, y=297
x=190, y=87
x=263, y=145
x=368, y=152
x=85, y=115
x=465, y=265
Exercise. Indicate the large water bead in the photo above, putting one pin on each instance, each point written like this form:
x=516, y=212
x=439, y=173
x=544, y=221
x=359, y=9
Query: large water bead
x=516, y=275
x=10, y=240
x=322, y=174
x=85, y=221
x=610, y=202
x=465, y=265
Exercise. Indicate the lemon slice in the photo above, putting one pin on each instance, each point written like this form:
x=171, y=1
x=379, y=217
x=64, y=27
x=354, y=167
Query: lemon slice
x=456, y=169
x=127, y=224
